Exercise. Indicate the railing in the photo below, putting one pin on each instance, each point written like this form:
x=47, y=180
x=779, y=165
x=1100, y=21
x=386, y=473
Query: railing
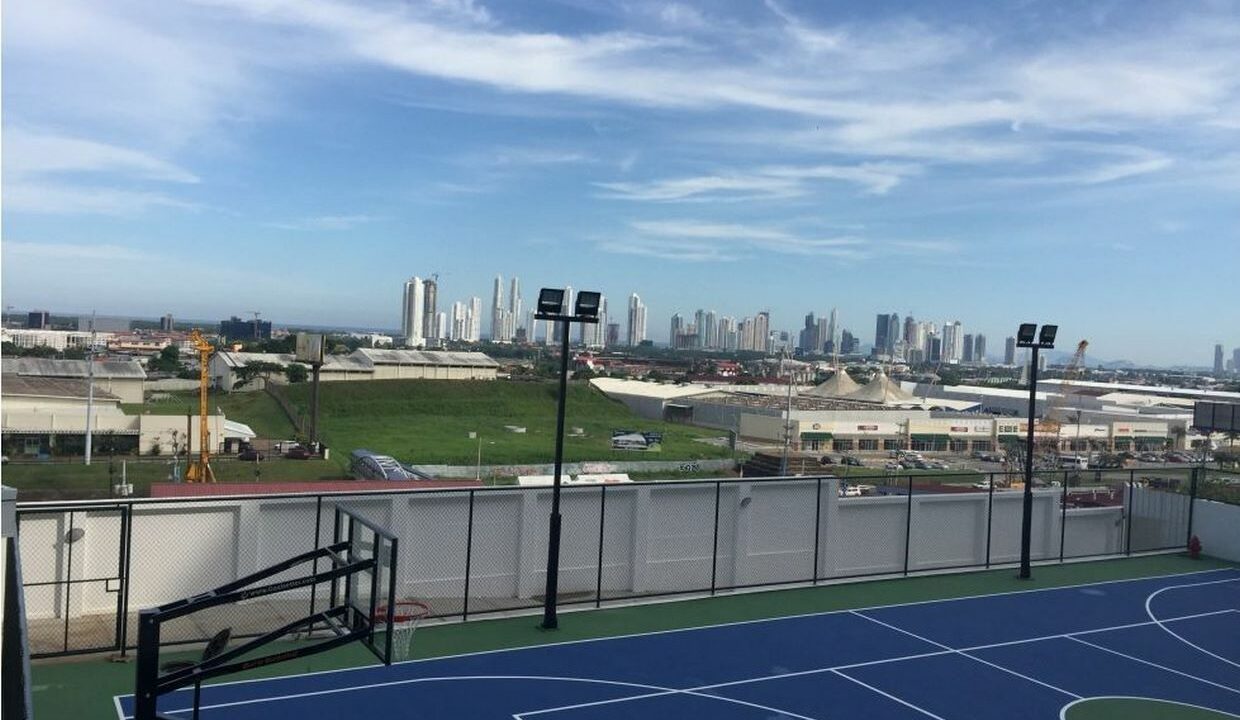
x=91, y=565
x=1221, y=486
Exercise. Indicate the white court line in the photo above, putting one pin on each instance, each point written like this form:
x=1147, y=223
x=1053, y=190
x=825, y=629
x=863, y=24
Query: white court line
x=1154, y=664
x=659, y=691
x=965, y=653
x=1063, y=712
x=122, y=716
x=717, y=625
x=415, y=681
x=887, y=695
x=1176, y=635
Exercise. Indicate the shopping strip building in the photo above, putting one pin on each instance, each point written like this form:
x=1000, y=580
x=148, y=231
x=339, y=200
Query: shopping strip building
x=763, y=414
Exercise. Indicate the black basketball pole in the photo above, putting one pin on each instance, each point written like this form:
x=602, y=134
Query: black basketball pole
x=1026, y=525
x=553, y=539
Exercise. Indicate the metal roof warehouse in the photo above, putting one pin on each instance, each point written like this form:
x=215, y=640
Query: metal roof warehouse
x=367, y=364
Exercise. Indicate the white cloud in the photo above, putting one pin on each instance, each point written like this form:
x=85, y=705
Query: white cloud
x=34, y=153
x=324, y=222
x=706, y=241
x=714, y=187
x=768, y=183
x=63, y=199
x=72, y=251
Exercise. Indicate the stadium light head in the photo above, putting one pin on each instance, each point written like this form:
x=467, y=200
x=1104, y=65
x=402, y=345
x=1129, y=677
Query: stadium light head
x=1046, y=338
x=588, y=303
x=550, y=304
x=1024, y=336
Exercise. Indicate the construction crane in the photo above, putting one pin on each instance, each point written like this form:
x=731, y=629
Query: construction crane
x=1053, y=418
x=199, y=471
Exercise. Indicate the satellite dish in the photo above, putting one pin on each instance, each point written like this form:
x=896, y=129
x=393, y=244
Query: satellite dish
x=75, y=534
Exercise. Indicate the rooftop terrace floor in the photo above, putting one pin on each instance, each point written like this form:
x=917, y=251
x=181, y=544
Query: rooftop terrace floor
x=87, y=688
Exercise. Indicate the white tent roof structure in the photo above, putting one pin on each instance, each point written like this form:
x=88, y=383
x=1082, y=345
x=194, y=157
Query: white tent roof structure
x=838, y=385
x=882, y=389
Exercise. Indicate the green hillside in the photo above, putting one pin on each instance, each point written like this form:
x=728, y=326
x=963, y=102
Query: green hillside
x=255, y=409
x=426, y=421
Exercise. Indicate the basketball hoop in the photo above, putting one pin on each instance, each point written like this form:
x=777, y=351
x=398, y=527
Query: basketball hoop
x=406, y=615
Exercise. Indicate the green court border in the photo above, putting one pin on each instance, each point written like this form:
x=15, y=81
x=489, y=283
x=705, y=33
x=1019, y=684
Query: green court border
x=83, y=688
x=1107, y=707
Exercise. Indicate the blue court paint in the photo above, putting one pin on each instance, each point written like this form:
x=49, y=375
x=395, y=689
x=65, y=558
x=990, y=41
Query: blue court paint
x=1217, y=633
x=1088, y=671
x=816, y=667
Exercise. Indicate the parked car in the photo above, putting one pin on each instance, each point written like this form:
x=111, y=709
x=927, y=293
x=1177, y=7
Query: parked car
x=250, y=455
x=826, y=460
x=850, y=460
x=299, y=452
x=893, y=466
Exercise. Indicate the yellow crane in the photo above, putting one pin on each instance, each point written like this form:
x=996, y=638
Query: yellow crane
x=200, y=469
x=1052, y=419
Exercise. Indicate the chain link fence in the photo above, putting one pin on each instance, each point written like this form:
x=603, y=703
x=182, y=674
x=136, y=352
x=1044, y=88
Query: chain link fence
x=89, y=567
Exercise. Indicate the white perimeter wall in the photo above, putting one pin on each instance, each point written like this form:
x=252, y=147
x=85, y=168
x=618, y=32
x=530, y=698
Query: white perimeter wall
x=1217, y=525
x=656, y=539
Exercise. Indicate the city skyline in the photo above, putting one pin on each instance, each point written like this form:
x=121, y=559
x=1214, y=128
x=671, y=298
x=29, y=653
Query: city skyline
x=463, y=321
x=1002, y=162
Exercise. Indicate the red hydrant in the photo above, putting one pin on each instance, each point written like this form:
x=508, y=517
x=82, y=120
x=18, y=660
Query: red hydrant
x=1194, y=547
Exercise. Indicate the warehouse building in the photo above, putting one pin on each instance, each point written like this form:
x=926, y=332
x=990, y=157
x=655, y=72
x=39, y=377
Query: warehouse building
x=45, y=417
x=226, y=373
x=122, y=378
x=363, y=364
x=428, y=364
x=891, y=417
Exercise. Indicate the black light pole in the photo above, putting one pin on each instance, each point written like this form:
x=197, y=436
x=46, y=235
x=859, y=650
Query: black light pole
x=551, y=307
x=1045, y=339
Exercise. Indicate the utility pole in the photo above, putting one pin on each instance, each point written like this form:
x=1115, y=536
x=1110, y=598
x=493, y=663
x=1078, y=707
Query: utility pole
x=90, y=389
x=783, y=466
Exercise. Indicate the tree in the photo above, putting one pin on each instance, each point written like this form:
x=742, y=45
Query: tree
x=260, y=368
x=167, y=361
x=296, y=372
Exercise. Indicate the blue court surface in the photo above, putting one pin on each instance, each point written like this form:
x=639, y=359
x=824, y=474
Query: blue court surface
x=1028, y=654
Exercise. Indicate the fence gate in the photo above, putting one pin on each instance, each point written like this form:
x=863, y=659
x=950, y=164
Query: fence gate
x=75, y=571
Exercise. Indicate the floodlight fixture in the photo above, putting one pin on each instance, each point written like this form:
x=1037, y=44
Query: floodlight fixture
x=550, y=304
x=587, y=307
x=585, y=311
x=1045, y=340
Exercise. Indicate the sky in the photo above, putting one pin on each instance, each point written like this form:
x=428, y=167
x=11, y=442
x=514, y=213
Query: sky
x=992, y=162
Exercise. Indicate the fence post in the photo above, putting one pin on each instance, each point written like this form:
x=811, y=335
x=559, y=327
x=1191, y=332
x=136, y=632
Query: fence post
x=908, y=524
x=817, y=528
x=318, y=519
x=69, y=540
x=127, y=565
x=1192, y=501
x=602, y=514
x=1128, y=524
x=714, y=548
x=120, y=569
x=469, y=555
x=1063, y=514
x=990, y=515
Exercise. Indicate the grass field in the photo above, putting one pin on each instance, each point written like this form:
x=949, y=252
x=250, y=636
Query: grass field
x=256, y=409
x=62, y=480
x=426, y=421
